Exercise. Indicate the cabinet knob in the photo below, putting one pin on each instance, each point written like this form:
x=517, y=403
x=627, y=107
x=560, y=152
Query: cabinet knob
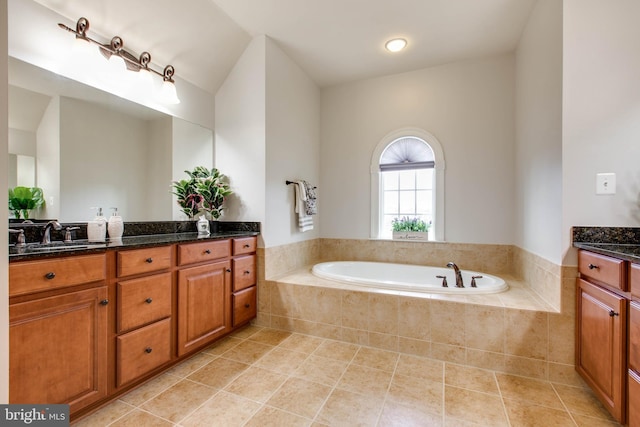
x=50, y=275
x=247, y=305
x=208, y=251
x=247, y=272
x=148, y=350
x=149, y=260
x=148, y=300
x=228, y=270
x=613, y=313
x=104, y=302
x=247, y=245
x=592, y=266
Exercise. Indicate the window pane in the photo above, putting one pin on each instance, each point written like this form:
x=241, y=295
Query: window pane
x=424, y=179
x=390, y=202
x=386, y=225
x=390, y=180
x=407, y=180
x=424, y=203
x=407, y=203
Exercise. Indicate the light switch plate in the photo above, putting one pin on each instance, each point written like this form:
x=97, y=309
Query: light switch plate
x=606, y=183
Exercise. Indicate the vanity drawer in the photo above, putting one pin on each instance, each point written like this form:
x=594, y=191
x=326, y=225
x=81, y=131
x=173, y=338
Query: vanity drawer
x=35, y=276
x=603, y=269
x=143, y=350
x=244, y=306
x=634, y=279
x=144, y=300
x=244, y=245
x=145, y=260
x=205, y=251
x=244, y=272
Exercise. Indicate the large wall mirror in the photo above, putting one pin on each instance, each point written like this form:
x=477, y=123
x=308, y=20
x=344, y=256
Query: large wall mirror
x=86, y=148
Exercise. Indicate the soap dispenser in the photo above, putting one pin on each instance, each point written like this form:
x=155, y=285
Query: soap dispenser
x=97, y=229
x=115, y=226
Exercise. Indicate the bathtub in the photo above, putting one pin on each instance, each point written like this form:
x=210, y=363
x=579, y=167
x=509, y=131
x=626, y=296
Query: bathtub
x=405, y=277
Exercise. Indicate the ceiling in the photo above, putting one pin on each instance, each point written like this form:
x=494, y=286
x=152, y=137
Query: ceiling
x=333, y=41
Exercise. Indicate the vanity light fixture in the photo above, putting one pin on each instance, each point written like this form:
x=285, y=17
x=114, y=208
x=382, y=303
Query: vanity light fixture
x=114, y=52
x=395, y=45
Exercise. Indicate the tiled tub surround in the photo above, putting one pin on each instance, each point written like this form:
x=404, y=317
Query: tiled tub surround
x=514, y=332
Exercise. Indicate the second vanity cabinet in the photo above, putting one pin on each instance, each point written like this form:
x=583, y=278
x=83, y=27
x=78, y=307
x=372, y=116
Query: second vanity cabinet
x=87, y=328
x=607, y=327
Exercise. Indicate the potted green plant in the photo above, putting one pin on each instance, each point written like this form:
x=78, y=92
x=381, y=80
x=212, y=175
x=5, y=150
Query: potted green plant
x=410, y=228
x=204, y=192
x=24, y=199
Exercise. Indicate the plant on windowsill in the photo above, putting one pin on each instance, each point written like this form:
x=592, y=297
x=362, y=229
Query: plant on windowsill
x=203, y=193
x=406, y=228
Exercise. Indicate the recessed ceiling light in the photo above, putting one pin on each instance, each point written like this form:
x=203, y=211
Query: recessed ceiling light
x=395, y=45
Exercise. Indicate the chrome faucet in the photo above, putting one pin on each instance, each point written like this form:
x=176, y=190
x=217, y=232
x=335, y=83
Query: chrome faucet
x=459, y=283
x=46, y=238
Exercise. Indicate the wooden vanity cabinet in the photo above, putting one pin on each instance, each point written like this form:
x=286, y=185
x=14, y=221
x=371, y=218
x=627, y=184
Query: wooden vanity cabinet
x=204, y=311
x=601, y=330
x=87, y=328
x=144, y=310
x=58, y=339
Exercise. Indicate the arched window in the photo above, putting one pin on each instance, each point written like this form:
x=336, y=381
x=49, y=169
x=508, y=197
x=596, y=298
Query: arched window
x=407, y=180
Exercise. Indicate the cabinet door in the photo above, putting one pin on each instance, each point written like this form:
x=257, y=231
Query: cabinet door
x=601, y=344
x=204, y=304
x=59, y=349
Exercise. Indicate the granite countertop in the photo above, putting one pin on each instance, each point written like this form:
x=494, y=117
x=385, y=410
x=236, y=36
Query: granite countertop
x=618, y=242
x=150, y=234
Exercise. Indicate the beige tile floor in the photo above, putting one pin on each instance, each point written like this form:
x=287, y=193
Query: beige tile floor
x=266, y=377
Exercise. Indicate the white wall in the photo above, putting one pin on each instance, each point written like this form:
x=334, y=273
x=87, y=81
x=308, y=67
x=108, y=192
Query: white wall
x=240, y=134
x=468, y=106
x=292, y=142
x=22, y=142
x=192, y=146
x=91, y=174
x=159, y=151
x=539, y=133
x=4, y=257
x=48, y=159
x=601, y=114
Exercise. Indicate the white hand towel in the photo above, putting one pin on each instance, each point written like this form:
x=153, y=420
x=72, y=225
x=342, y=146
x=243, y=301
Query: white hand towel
x=305, y=222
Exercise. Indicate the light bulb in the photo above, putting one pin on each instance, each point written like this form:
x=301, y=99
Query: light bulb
x=116, y=63
x=168, y=93
x=395, y=45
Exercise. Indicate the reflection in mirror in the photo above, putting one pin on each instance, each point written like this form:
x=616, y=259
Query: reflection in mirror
x=95, y=149
x=22, y=170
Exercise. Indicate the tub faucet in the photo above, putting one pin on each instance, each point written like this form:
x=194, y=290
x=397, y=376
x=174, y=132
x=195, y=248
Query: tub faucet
x=46, y=237
x=459, y=283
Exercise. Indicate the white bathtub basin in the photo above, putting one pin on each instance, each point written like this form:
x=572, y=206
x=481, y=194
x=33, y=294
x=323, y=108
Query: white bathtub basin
x=406, y=277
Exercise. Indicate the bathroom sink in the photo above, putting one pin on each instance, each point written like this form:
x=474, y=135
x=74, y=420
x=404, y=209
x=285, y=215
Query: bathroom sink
x=61, y=246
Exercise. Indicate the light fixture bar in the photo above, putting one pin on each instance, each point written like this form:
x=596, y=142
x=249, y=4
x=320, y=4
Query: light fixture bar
x=116, y=47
